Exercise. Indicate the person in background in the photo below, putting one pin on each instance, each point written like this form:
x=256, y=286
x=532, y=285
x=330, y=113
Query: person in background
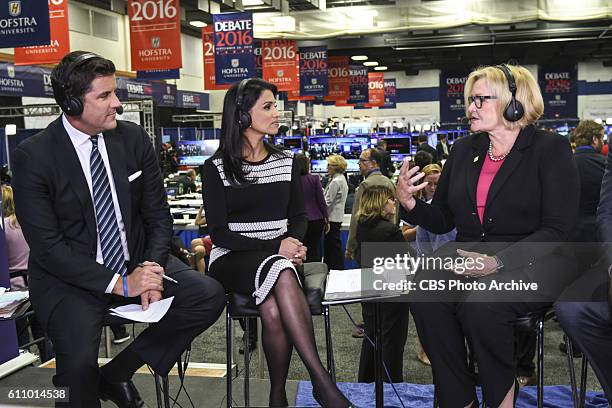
x=256, y=218
x=369, y=167
x=422, y=159
x=425, y=147
x=201, y=246
x=386, y=165
x=442, y=146
x=188, y=180
x=504, y=188
x=376, y=224
x=336, y=192
x=316, y=210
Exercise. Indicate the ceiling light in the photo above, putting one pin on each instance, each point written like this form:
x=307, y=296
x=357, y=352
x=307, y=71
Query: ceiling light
x=370, y=63
x=359, y=57
x=380, y=68
x=198, y=23
x=252, y=2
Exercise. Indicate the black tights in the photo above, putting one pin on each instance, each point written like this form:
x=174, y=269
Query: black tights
x=286, y=322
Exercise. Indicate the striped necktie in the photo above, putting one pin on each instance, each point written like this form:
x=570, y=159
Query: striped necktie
x=108, y=229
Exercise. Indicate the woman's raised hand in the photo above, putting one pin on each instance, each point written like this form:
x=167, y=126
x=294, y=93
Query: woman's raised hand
x=406, y=185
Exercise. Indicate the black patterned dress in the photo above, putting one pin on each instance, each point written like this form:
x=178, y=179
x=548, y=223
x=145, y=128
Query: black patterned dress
x=247, y=223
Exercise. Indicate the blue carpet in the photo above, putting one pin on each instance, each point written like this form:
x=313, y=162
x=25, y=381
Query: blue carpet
x=419, y=395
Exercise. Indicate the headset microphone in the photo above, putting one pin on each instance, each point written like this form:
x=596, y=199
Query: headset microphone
x=465, y=120
x=119, y=110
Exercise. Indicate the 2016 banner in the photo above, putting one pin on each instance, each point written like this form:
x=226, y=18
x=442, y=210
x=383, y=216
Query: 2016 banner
x=208, y=42
x=60, y=40
x=24, y=23
x=358, y=84
x=452, y=105
x=234, y=58
x=281, y=64
x=257, y=57
x=155, y=34
x=560, y=91
x=294, y=95
x=313, y=71
x=338, y=78
x=376, y=89
x=390, y=91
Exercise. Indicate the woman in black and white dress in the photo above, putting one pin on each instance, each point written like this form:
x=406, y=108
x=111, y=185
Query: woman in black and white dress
x=256, y=219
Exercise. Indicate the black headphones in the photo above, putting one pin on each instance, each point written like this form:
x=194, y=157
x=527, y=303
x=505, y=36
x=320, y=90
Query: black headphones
x=62, y=87
x=514, y=111
x=244, y=118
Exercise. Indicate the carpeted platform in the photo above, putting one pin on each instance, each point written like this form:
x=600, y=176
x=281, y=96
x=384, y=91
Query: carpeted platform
x=421, y=396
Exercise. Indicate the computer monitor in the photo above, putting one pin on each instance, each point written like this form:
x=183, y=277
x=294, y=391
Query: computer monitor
x=318, y=166
x=398, y=145
x=195, y=152
x=293, y=143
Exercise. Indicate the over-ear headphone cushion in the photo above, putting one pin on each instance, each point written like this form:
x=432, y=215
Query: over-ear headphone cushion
x=514, y=111
x=244, y=119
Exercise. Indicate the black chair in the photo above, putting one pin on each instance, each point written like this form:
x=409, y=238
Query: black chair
x=243, y=306
x=578, y=399
x=529, y=322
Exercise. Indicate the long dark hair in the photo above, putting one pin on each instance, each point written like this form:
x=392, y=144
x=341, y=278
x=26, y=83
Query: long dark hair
x=232, y=140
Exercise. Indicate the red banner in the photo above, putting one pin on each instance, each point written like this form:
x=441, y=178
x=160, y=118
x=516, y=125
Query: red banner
x=155, y=34
x=339, y=79
x=294, y=95
x=60, y=40
x=376, y=89
x=344, y=103
x=281, y=65
x=208, y=42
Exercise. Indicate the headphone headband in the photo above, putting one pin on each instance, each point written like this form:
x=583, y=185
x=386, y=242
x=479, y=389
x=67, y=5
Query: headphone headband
x=244, y=118
x=62, y=86
x=509, y=77
x=240, y=92
x=514, y=111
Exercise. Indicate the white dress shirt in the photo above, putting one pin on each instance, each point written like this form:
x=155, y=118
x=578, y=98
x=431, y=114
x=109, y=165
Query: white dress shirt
x=82, y=144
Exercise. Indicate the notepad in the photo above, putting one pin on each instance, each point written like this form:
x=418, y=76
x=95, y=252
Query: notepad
x=134, y=312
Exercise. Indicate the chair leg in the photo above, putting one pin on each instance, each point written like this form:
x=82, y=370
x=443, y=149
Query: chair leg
x=107, y=341
x=247, y=360
x=329, y=348
x=260, y=352
x=583, y=380
x=229, y=336
x=572, y=371
x=166, y=386
x=158, y=393
x=540, y=362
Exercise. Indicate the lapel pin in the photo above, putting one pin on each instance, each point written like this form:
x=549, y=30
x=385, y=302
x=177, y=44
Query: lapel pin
x=476, y=159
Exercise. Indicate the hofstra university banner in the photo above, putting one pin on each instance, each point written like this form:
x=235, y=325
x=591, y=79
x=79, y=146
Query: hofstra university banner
x=208, y=42
x=313, y=71
x=60, y=40
x=281, y=64
x=358, y=84
x=559, y=87
x=390, y=91
x=234, y=44
x=452, y=105
x=155, y=34
x=339, y=80
x=376, y=89
x=24, y=23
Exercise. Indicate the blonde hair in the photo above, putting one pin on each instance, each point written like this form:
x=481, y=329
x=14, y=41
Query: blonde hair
x=586, y=131
x=337, y=161
x=8, y=206
x=430, y=169
x=527, y=92
x=372, y=203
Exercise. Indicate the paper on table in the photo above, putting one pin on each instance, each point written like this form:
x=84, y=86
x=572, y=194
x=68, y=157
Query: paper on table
x=348, y=280
x=134, y=312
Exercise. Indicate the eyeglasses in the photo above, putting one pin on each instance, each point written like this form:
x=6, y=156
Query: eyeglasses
x=479, y=99
x=364, y=160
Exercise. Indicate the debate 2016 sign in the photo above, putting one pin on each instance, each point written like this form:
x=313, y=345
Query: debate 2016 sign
x=59, y=44
x=359, y=84
x=155, y=34
x=208, y=42
x=280, y=64
x=390, y=91
x=452, y=105
x=313, y=71
x=339, y=81
x=559, y=90
x=234, y=59
x=24, y=23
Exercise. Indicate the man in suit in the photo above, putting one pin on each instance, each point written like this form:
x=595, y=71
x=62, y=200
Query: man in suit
x=424, y=146
x=386, y=166
x=442, y=146
x=91, y=202
x=585, y=308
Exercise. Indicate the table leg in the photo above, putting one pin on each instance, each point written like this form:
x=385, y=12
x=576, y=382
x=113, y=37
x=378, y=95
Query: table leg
x=378, y=373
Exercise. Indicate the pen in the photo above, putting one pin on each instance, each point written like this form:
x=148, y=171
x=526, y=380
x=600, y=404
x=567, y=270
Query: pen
x=163, y=276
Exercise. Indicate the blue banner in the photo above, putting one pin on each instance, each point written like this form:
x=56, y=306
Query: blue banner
x=234, y=44
x=197, y=100
x=358, y=84
x=24, y=23
x=313, y=71
x=164, y=94
x=390, y=93
x=560, y=91
x=24, y=80
x=258, y=61
x=159, y=74
x=452, y=105
x=132, y=89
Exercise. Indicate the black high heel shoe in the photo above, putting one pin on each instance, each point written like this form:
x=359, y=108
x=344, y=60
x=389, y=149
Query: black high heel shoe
x=316, y=397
